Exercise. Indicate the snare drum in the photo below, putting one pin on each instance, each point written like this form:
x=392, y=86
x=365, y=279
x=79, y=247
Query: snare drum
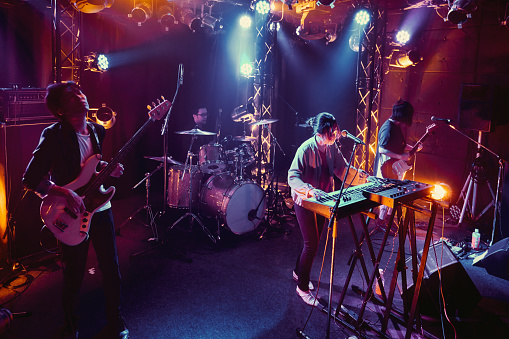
x=211, y=158
x=240, y=205
x=247, y=154
x=180, y=189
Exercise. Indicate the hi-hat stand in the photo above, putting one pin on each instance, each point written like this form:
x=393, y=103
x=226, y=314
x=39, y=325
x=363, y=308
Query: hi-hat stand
x=189, y=166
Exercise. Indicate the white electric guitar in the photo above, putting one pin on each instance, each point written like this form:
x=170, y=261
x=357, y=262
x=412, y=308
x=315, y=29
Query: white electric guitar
x=70, y=228
x=397, y=168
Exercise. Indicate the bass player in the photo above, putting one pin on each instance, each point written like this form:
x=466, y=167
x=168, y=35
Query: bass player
x=56, y=161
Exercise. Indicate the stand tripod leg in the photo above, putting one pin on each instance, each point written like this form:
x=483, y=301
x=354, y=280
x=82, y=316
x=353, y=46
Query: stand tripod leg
x=194, y=217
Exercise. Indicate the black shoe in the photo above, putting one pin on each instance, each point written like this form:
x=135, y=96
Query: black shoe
x=119, y=329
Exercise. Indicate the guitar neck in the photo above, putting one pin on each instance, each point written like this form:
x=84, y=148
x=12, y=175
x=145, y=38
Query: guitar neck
x=416, y=146
x=106, y=171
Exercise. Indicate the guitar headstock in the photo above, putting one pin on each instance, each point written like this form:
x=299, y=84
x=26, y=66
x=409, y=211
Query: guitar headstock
x=158, y=111
x=431, y=128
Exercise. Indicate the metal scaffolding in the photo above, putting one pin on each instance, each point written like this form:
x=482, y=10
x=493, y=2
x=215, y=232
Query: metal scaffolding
x=67, y=49
x=368, y=86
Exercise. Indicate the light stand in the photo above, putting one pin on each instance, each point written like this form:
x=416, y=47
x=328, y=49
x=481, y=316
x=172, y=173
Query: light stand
x=471, y=184
x=189, y=165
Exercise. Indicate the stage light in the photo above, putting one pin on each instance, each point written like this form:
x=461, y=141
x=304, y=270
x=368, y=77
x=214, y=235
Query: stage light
x=214, y=23
x=325, y=2
x=96, y=62
x=188, y=18
x=275, y=26
x=104, y=116
x=311, y=31
x=441, y=191
x=245, y=21
x=141, y=12
x=402, y=59
x=246, y=69
x=402, y=37
x=262, y=7
x=91, y=6
x=353, y=42
x=362, y=17
x=166, y=16
x=460, y=11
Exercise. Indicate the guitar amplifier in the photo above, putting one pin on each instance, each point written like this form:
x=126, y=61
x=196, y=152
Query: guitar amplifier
x=18, y=106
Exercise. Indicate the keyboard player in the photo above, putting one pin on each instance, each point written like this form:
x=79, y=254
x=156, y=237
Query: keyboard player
x=311, y=174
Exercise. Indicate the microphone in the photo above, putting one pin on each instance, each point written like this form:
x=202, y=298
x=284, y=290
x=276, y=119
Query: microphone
x=181, y=74
x=447, y=121
x=346, y=134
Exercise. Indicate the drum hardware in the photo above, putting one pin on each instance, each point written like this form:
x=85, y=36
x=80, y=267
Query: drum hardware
x=263, y=122
x=150, y=215
x=194, y=217
x=273, y=211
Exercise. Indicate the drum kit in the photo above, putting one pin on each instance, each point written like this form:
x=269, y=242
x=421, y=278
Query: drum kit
x=217, y=185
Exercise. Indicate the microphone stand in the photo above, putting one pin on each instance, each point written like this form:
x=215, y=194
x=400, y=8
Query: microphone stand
x=333, y=225
x=497, y=203
x=164, y=133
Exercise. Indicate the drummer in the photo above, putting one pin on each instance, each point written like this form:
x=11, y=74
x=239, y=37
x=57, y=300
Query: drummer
x=200, y=120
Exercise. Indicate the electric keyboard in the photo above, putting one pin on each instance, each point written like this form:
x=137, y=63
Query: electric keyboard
x=389, y=192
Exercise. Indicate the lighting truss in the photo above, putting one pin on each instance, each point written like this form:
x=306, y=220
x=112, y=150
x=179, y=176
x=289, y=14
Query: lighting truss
x=263, y=86
x=368, y=87
x=67, y=52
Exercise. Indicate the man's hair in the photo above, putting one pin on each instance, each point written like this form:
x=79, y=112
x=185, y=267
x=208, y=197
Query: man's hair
x=403, y=111
x=324, y=123
x=197, y=109
x=54, y=94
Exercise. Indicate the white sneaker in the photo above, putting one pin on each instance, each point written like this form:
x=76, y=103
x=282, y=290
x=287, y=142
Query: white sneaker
x=308, y=297
x=296, y=278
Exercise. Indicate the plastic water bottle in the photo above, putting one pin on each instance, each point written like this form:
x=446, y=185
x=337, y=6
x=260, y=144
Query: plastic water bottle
x=476, y=240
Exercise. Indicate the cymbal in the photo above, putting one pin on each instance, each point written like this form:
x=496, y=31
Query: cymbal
x=196, y=131
x=242, y=138
x=169, y=160
x=263, y=122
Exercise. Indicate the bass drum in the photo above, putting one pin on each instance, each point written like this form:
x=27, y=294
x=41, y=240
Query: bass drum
x=240, y=205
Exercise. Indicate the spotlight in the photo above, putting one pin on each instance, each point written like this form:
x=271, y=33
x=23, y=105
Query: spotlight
x=141, y=12
x=96, y=62
x=262, y=7
x=401, y=59
x=209, y=21
x=441, y=191
x=188, y=18
x=245, y=21
x=246, y=69
x=103, y=116
x=91, y=6
x=325, y=2
x=166, y=16
x=311, y=31
x=460, y=11
x=275, y=26
x=402, y=37
x=362, y=17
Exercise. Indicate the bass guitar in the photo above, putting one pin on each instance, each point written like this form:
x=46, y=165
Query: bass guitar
x=70, y=228
x=397, y=168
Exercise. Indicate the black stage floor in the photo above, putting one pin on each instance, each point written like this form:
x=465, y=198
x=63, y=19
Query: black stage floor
x=241, y=287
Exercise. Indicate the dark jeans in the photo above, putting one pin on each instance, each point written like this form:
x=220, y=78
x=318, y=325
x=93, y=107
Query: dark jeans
x=74, y=260
x=311, y=226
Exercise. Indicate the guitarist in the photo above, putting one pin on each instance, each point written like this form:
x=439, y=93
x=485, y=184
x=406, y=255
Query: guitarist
x=392, y=144
x=57, y=160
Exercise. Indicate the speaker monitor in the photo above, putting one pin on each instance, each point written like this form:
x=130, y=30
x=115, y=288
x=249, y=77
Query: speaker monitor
x=442, y=268
x=476, y=107
x=496, y=259
x=17, y=143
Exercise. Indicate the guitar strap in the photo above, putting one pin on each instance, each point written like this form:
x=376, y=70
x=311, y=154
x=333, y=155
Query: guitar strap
x=92, y=127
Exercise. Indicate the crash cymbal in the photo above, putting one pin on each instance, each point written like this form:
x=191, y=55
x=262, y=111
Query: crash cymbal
x=196, y=131
x=169, y=160
x=305, y=125
x=263, y=122
x=242, y=138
